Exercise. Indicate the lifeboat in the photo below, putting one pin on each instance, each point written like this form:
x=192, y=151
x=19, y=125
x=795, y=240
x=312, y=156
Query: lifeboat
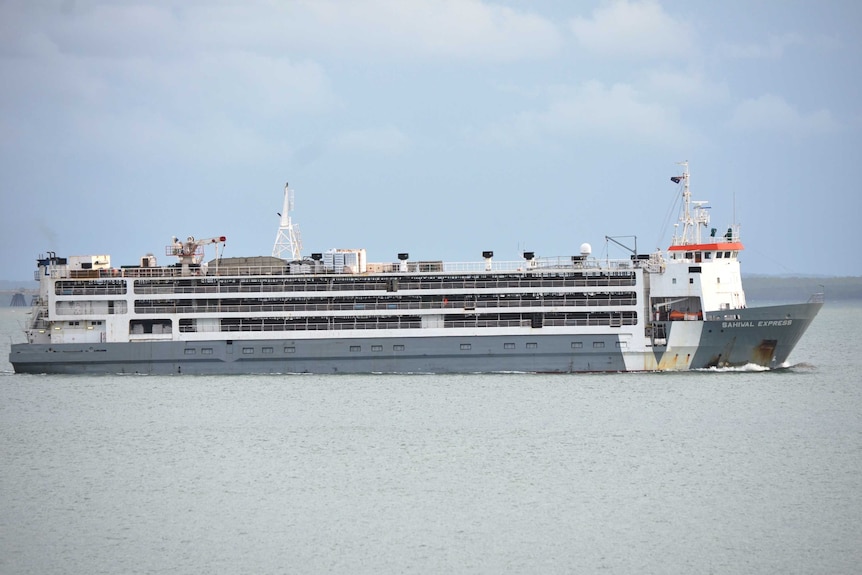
x=676, y=315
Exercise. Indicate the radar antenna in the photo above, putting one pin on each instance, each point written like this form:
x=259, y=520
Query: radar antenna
x=288, y=244
x=695, y=213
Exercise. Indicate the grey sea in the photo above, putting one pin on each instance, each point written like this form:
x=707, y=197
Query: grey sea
x=704, y=472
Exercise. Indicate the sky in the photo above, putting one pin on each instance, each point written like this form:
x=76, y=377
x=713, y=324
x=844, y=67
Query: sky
x=441, y=128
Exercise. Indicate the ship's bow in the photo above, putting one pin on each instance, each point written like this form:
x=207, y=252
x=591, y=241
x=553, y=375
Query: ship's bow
x=763, y=336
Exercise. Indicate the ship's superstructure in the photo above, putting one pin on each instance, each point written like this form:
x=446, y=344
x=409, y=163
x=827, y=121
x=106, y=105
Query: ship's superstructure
x=336, y=312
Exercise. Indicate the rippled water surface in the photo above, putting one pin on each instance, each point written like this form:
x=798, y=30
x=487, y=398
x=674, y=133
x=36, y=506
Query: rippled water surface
x=732, y=472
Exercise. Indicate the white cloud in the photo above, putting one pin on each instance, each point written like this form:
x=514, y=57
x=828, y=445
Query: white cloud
x=685, y=88
x=384, y=140
x=638, y=30
x=234, y=107
x=128, y=80
x=594, y=112
x=255, y=85
x=774, y=48
x=470, y=30
x=772, y=114
x=463, y=29
x=223, y=73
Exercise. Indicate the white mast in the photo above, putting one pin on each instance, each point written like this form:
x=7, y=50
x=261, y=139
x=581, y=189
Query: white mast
x=692, y=220
x=288, y=244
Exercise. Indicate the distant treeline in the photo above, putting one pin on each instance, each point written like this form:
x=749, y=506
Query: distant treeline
x=16, y=286
x=792, y=289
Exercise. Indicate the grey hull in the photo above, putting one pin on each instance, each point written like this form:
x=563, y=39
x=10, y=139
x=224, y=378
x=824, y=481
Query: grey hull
x=762, y=336
x=453, y=354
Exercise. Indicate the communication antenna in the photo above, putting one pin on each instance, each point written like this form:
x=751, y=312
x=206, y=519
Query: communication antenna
x=734, y=207
x=288, y=244
x=695, y=213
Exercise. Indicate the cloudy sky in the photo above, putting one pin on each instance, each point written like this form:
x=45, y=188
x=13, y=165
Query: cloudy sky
x=437, y=127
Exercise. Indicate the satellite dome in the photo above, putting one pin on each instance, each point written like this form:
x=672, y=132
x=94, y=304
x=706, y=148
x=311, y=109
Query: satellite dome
x=586, y=249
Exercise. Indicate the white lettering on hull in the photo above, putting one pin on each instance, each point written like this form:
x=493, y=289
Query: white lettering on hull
x=760, y=323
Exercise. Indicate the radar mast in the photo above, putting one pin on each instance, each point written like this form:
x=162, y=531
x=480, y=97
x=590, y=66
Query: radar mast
x=288, y=244
x=695, y=214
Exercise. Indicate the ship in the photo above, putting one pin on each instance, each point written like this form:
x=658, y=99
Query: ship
x=677, y=309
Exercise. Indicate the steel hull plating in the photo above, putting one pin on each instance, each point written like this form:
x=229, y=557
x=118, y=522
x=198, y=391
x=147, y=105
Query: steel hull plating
x=453, y=354
x=761, y=336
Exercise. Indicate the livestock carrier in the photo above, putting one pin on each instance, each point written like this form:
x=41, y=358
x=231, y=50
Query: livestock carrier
x=335, y=312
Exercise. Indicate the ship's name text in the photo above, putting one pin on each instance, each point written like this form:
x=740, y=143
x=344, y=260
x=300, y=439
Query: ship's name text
x=760, y=323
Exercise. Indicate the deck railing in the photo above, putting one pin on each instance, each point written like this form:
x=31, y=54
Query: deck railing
x=414, y=268
x=409, y=324
x=394, y=306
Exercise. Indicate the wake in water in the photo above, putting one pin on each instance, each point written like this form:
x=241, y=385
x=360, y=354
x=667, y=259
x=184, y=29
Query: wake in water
x=749, y=367
x=801, y=366
x=753, y=367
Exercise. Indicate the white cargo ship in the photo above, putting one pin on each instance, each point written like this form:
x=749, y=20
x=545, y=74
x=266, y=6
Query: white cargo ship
x=335, y=312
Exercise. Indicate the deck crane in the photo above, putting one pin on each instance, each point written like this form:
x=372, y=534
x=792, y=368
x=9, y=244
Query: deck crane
x=191, y=251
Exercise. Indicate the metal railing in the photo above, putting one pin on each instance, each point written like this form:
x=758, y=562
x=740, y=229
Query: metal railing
x=395, y=306
x=411, y=324
x=540, y=265
x=818, y=297
x=362, y=284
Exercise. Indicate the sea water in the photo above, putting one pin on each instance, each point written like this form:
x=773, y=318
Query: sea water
x=703, y=472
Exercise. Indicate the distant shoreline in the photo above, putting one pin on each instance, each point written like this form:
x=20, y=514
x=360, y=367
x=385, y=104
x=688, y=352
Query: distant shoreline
x=790, y=289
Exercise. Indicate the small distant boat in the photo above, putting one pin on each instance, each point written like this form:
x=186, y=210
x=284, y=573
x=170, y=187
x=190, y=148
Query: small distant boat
x=334, y=312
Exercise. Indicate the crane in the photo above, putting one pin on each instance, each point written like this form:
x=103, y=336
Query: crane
x=191, y=251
